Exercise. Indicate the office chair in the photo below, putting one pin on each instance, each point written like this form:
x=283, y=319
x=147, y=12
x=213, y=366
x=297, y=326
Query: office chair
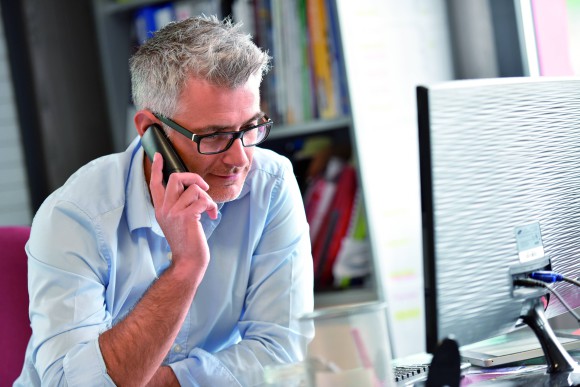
x=14, y=323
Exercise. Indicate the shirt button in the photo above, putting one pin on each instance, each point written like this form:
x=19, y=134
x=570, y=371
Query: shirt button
x=177, y=348
x=169, y=256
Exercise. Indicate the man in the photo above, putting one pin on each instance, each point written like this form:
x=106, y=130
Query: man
x=196, y=282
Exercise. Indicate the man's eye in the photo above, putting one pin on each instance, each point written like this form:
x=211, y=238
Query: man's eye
x=214, y=138
x=253, y=123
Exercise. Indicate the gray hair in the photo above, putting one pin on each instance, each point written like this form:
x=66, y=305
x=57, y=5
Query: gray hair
x=202, y=47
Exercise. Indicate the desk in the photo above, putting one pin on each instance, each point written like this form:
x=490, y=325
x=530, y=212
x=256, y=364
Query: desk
x=477, y=376
x=494, y=376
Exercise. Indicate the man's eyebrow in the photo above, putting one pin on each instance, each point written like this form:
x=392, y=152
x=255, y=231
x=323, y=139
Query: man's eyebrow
x=256, y=117
x=224, y=128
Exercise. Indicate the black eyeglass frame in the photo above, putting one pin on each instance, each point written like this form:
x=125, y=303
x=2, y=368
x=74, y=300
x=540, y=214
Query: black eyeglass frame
x=234, y=135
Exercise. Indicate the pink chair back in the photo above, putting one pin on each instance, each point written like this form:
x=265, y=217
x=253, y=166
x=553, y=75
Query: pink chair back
x=14, y=322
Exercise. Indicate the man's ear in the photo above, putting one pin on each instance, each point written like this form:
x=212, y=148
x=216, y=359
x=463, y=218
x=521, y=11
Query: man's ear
x=144, y=119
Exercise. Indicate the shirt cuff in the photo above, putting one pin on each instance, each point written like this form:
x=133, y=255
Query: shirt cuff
x=84, y=366
x=202, y=369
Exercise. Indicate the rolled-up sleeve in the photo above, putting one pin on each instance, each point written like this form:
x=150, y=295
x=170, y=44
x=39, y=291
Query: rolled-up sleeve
x=84, y=365
x=202, y=368
x=67, y=299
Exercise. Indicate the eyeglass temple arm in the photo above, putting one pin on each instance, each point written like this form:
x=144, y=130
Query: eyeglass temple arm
x=176, y=126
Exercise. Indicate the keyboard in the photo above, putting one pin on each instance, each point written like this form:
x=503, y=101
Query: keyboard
x=409, y=374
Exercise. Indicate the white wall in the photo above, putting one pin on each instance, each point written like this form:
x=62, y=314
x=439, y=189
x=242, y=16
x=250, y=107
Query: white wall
x=390, y=47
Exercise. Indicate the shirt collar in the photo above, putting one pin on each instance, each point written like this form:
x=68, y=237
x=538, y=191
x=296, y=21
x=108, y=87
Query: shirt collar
x=140, y=211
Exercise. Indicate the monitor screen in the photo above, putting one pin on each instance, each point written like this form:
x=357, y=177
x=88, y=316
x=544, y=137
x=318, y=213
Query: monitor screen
x=500, y=181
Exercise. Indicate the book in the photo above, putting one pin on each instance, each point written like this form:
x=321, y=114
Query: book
x=317, y=203
x=293, y=60
x=335, y=226
x=148, y=19
x=335, y=48
x=353, y=261
x=306, y=76
x=321, y=61
x=278, y=21
x=321, y=187
x=264, y=39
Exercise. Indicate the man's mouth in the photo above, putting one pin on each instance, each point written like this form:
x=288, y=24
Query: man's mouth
x=230, y=176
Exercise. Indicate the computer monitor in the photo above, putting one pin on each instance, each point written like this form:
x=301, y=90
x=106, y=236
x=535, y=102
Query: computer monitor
x=500, y=185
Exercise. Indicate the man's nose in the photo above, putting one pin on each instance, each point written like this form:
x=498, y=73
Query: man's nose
x=236, y=155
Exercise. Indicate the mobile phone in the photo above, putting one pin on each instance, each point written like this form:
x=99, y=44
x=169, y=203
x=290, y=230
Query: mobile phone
x=155, y=140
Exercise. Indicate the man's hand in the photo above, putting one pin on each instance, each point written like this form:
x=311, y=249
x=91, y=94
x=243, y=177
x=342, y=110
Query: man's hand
x=178, y=209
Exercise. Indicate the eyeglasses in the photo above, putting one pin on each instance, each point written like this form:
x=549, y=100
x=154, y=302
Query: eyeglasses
x=218, y=142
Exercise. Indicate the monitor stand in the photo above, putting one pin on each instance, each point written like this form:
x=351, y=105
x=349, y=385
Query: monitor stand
x=561, y=369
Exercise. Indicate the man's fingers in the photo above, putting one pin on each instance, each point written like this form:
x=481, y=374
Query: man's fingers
x=197, y=200
x=156, y=181
x=206, y=204
x=188, y=179
x=179, y=182
x=212, y=210
x=183, y=191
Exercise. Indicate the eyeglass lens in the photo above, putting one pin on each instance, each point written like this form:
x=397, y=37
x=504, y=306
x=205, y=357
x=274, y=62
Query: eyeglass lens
x=221, y=141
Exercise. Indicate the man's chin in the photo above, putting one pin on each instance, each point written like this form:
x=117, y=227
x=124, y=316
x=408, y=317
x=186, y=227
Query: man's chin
x=225, y=194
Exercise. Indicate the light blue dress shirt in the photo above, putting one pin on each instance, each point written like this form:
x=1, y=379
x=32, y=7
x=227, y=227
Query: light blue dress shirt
x=96, y=247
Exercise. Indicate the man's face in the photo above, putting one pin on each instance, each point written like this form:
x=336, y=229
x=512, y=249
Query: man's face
x=204, y=109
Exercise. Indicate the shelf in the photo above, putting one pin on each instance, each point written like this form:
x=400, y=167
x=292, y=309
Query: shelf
x=343, y=297
x=114, y=22
x=306, y=128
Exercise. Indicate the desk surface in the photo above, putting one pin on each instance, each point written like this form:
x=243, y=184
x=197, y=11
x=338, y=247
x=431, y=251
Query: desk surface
x=536, y=367
x=519, y=345
x=480, y=375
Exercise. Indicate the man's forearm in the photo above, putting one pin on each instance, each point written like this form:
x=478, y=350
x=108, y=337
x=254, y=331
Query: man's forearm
x=164, y=377
x=134, y=349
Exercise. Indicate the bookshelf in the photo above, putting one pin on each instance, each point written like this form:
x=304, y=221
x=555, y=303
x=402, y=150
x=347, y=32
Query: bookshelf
x=114, y=21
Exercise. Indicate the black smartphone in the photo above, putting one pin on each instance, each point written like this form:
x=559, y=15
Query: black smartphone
x=155, y=140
